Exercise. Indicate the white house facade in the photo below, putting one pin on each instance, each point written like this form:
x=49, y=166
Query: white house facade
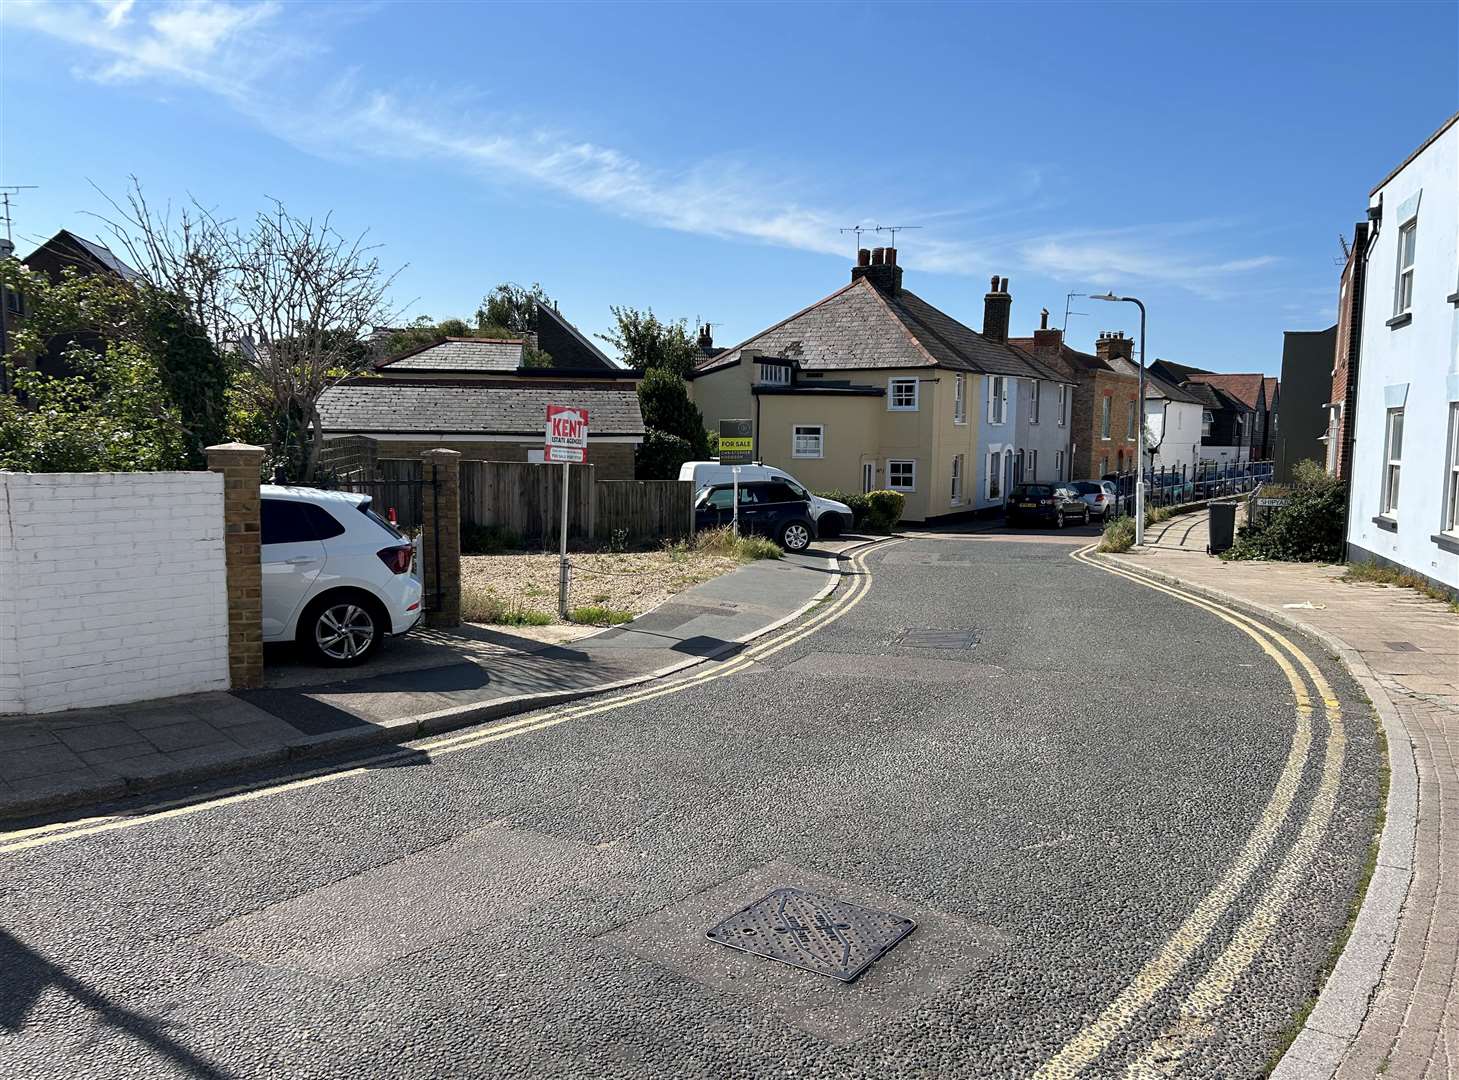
x=1025, y=435
x=1404, y=502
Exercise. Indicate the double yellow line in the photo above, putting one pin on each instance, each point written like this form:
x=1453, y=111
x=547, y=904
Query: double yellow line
x=46, y=835
x=1210, y=992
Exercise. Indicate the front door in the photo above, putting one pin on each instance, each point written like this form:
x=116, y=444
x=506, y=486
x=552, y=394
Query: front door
x=868, y=476
x=292, y=559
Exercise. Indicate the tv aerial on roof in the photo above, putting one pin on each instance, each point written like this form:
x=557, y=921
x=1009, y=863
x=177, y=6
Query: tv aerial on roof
x=894, y=229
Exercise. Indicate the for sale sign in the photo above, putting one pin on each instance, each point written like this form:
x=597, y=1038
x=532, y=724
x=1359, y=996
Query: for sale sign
x=567, y=434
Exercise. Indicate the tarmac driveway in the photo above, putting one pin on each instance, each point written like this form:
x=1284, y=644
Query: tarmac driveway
x=1053, y=772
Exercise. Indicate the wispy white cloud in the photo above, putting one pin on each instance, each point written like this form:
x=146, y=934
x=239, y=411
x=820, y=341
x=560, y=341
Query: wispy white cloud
x=242, y=52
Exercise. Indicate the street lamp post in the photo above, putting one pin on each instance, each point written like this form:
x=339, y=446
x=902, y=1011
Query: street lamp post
x=1140, y=406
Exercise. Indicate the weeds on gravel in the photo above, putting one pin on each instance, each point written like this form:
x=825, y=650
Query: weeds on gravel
x=1119, y=535
x=723, y=541
x=598, y=615
x=484, y=606
x=1377, y=574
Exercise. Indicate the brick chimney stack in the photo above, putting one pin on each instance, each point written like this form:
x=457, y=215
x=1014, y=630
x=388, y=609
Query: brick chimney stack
x=879, y=266
x=1113, y=344
x=706, y=339
x=997, y=305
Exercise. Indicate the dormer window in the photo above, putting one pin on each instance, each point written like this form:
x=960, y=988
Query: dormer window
x=772, y=374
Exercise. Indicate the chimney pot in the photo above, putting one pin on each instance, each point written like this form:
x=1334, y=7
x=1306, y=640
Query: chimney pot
x=1044, y=319
x=891, y=256
x=1002, y=284
x=993, y=285
x=863, y=257
x=878, y=256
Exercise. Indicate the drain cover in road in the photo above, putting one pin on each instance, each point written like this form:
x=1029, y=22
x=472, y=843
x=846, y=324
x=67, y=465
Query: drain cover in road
x=814, y=932
x=938, y=639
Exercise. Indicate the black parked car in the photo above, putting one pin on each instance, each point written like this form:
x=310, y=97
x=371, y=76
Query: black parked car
x=1053, y=503
x=767, y=508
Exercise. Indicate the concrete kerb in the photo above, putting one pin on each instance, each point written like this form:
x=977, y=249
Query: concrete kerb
x=404, y=729
x=1335, y=1020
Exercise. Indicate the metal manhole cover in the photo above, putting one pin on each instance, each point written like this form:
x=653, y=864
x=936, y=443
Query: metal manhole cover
x=938, y=639
x=813, y=932
x=1402, y=646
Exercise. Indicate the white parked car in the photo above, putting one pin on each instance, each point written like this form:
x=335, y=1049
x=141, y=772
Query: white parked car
x=831, y=517
x=337, y=577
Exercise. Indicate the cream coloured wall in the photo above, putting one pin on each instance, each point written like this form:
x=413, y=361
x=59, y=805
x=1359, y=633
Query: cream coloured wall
x=725, y=394
x=862, y=429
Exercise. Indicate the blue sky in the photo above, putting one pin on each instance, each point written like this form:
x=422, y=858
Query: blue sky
x=700, y=159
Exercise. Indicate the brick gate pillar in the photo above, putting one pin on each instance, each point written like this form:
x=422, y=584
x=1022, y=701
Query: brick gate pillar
x=240, y=464
x=441, y=537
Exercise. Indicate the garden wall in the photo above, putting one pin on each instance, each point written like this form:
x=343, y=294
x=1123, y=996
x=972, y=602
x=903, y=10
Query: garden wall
x=112, y=588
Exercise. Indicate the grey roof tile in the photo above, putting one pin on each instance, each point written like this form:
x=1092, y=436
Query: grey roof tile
x=479, y=408
x=461, y=354
x=861, y=327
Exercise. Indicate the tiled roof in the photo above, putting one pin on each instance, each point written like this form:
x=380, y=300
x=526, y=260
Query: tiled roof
x=460, y=354
x=1272, y=385
x=1244, y=388
x=471, y=408
x=862, y=327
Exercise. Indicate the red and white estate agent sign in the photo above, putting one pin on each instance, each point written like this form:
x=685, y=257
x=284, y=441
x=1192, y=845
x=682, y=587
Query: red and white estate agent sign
x=567, y=434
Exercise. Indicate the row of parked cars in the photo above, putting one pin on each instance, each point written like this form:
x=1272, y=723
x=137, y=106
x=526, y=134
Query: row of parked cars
x=1059, y=503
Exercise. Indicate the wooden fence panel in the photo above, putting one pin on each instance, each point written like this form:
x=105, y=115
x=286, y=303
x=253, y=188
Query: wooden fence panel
x=642, y=510
x=524, y=498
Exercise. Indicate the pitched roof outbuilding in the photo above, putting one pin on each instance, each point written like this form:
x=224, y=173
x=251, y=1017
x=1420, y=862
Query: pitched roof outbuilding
x=459, y=354
x=397, y=406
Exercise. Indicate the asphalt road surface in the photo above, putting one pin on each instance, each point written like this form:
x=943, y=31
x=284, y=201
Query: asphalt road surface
x=1127, y=844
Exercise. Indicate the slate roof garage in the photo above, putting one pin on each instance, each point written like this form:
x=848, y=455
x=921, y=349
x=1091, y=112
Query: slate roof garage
x=397, y=407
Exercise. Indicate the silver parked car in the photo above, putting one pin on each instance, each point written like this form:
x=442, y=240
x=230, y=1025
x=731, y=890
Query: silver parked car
x=1101, y=496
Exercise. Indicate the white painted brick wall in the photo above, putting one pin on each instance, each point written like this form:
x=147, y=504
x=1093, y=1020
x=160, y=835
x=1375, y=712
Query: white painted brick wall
x=112, y=588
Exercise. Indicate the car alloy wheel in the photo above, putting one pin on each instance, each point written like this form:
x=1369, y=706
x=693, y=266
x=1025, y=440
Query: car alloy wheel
x=796, y=537
x=344, y=631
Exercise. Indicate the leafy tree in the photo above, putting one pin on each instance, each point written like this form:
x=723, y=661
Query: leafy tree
x=1311, y=527
x=511, y=308
x=645, y=342
x=675, y=426
x=194, y=374
x=116, y=410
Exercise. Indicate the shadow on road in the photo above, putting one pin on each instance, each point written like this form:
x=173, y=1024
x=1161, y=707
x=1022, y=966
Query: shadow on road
x=28, y=975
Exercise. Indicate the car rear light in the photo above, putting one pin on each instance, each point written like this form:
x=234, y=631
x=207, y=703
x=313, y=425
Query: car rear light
x=413, y=606
x=397, y=558
x=1099, y=498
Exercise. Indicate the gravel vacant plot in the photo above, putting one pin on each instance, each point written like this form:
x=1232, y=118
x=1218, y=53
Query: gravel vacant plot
x=631, y=582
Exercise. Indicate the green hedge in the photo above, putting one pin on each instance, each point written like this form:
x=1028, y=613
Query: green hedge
x=1310, y=528
x=885, y=510
x=859, y=503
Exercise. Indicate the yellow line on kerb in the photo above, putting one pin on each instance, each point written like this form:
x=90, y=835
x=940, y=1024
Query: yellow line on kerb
x=1157, y=974
x=45, y=835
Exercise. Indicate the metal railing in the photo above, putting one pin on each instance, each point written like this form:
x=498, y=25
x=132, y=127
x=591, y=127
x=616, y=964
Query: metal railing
x=1178, y=484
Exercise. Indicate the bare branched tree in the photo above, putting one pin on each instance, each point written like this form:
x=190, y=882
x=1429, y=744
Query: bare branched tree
x=289, y=296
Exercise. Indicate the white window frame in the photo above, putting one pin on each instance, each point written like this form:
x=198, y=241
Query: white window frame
x=1063, y=404
x=909, y=488
x=1058, y=464
x=1403, y=272
x=1392, y=466
x=993, y=482
x=1033, y=401
x=997, y=399
x=868, y=476
x=1451, y=475
x=1106, y=415
x=1032, y=466
x=1130, y=426
x=957, y=480
x=960, y=399
x=799, y=431
x=900, y=382
x=1208, y=421
x=773, y=374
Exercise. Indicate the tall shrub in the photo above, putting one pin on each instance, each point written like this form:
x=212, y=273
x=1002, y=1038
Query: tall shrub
x=1311, y=527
